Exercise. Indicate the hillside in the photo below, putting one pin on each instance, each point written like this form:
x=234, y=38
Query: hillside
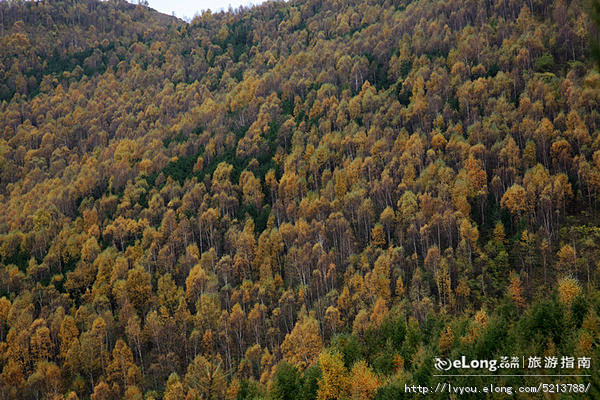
x=308, y=199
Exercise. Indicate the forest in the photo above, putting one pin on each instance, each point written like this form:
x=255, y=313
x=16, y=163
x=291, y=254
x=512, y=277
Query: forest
x=305, y=199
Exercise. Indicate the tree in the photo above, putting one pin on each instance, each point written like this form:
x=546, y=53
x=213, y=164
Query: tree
x=387, y=218
x=134, y=334
x=332, y=320
x=515, y=291
x=48, y=375
x=197, y=282
x=379, y=313
x=302, y=345
x=594, y=14
x=41, y=344
x=251, y=189
x=515, y=200
x=139, y=288
x=364, y=383
x=334, y=382
x=568, y=290
x=477, y=179
x=378, y=280
x=237, y=319
x=101, y=391
x=13, y=375
x=206, y=378
x=4, y=310
x=122, y=369
x=446, y=340
x=567, y=260
x=174, y=389
x=378, y=236
x=361, y=322
x=286, y=383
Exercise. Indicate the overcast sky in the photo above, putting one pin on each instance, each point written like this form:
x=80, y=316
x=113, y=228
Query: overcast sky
x=188, y=8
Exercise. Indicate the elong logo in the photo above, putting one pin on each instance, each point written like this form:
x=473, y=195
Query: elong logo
x=442, y=364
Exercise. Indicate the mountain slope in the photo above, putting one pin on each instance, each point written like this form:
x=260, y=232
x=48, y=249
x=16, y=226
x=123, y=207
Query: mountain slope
x=304, y=198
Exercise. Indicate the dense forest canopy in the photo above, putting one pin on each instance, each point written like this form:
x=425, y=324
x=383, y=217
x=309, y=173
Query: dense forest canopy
x=308, y=199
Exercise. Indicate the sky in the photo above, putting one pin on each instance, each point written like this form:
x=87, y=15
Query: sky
x=188, y=8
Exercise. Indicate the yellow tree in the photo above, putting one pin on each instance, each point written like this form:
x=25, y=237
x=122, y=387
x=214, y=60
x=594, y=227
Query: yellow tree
x=174, y=389
x=387, y=218
x=515, y=290
x=101, y=392
x=334, y=383
x=139, y=287
x=515, y=200
x=251, y=189
x=361, y=322
x=122, y=370
x=41, y=346
x=364, y=382
x=237, y=324
x=332, y=320
x=4, y=310
x=567, y=259
x=446, y=339
x=379, y=313
x=302, y=346
x=378, y=280
x=477, y=179
x=568, y=290
x=206, y=378
x=197, y=282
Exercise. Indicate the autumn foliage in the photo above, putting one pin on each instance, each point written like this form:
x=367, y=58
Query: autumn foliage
x=307, y=199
